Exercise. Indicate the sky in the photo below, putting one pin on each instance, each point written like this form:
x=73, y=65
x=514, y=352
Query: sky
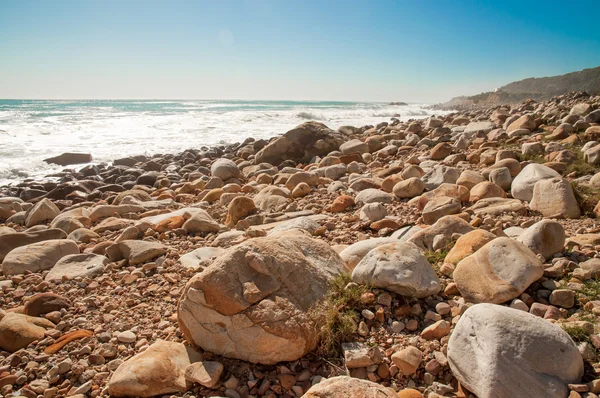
x=379, y=50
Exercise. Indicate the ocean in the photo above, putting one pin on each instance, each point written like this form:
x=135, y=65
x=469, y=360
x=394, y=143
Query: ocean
x=32, y=130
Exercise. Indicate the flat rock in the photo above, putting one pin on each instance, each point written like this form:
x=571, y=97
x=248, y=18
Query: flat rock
x=86, y=265
x=37, y=256
x=10, y=241
x=135, y=251
x=196, y=259
x=497, y=206
x=205, y=373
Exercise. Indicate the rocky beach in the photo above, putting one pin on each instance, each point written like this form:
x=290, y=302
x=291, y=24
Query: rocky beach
x=451, y=256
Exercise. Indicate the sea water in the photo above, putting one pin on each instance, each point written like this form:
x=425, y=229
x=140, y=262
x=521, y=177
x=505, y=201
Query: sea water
x=32, y=130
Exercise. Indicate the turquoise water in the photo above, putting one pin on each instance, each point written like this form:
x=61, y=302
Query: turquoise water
x=31, y=130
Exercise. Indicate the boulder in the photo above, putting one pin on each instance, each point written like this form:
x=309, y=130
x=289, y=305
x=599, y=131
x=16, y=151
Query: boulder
x=592, y=155
x=470, y=178
x=499, y=271
x=437, y=208
x=225, y=169
x=354, y=146
x=135, y=251
x=468, y=244
x=409, y=188
x=373, y=212
x=485, y=190
x=300, y=144
x=102, y=211
x=554, y=198
x=202, y=222
x=439, y=175
x=441, y=151
x=445, y=226
x=545, y=237
x=272, y=198
x=158, y=370
x=302, y=223
x=43, y=303
x=341, y=203
x=501, y=177
x=497, y=352
x=356, y=251
x=239, y=208
x=86, y=265
x=398, y=267
x=69, y=158
x=199, y=257
x=348, y=387
x=38, y=256
x=18, y=330
x=253, y=301
x=373, y=195
x=522, y=185
x=524, y=122
x=407, y=360
x=41, y=212
x=10, y=241
x=496, y=206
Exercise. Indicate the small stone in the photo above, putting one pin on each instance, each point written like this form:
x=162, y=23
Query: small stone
x=206, y=373
x=407, y=360
x=436, y=331
x=127, y=337
x=564, y=298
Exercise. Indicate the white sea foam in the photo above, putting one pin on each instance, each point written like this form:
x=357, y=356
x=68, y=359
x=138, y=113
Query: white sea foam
x=31, y=131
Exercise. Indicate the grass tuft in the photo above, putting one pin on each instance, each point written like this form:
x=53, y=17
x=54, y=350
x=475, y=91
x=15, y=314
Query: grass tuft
x=577, y=333
x=437, y=256
x=338, y=316
x=580, y=166
x=591, y=289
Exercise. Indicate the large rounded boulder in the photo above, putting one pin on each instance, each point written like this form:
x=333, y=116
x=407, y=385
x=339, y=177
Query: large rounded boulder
x=253, y=302
x=522, y=185
x=497, y=352
x=399, y=267
x=499, y=271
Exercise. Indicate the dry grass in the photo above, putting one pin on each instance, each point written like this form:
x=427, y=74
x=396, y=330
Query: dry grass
x=587, y=197
x=338, y=315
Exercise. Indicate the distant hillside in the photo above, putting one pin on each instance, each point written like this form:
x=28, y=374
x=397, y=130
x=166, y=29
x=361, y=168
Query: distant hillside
x=539, y=89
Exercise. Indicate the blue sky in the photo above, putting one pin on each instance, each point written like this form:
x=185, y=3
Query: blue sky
x=417, y=51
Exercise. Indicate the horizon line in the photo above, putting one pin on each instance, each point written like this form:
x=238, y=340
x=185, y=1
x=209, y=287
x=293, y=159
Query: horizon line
x=205, y=99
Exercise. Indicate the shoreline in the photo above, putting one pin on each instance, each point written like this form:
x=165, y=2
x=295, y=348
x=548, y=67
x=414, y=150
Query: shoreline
x=280, y=267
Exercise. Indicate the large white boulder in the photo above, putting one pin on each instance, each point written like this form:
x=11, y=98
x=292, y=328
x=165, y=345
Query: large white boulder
x=546, y=237
x=522, y=185
x=398, y=267
x=499, y=352
x=554, y=198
